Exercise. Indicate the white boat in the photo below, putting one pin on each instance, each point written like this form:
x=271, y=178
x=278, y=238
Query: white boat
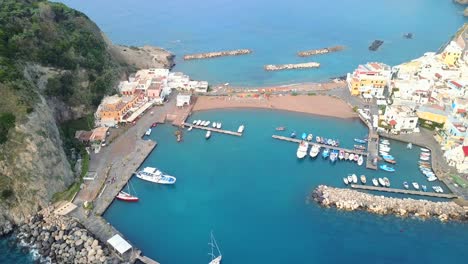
x=218, y=125
x=350, y=178
x=208, y=134
x=354, y=178
x=375, y=182
x=363, y=179
x=148, y=132
x=202, y=123
x=424, y=157
x=381, y=181
x=302, y=149
x=351, y=156
x=385, y=142
x=240, y=129
x=345, y=180
x=425, y=150
x=386, y=181
x=384, y=148
x=198, y=122
x=314, y=151
x=154, y=175
x=214, y=259
x=207, y=123
x=360, y=160
x=409, y=146
x=415, y=185
x=194, y=122
x=190, y=128
x=214, y=124
x=432, y=178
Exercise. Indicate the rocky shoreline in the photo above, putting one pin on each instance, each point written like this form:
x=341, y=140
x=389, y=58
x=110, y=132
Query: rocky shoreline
x=209, y=55
x=350, y=200
x=58, y=239
x=279, y=67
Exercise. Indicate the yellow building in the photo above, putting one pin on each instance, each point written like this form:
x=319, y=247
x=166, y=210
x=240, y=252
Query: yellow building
x=113, y=108
x=451, y=54
x=371, y=78
x=432, y=114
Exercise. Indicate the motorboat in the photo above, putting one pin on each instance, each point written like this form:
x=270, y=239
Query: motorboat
x=385, y=142
x=345, y=180
x=126, y=196
x=409, y=146
x=190, y=128
x=356, y=157
x=360, y=160
x=154, y=175
x=194, y=122
x=318, y=139
x=390, y=161
x=424, y=188
x=431, y=178
x=425, y=150
x=293, y=134
x=304, y=136
x=341, y=155
x=218, y=125
x=350, y=178
x=386, y=181
x=314, y=151
x=360, y=147
x=214, y=245
x=148, y=132
x=310, y=137
x=351, y=156
x=214, y=124
x=241, y=129
x=198, y=122
x=302, y=149
x=438, y=189
x=382, y=183
x=406, y=185
x=360, y=141
x=325, y=153
x=346, y=156
x=207, y=123
x=202, y=123
x=384, y=148
x=280, y=128
x=415, y=185
x=387, y=168
x=208, y=134
x=375, y=182
x=424, y=157
x=363, y=179
x=354, y=178
x=389, y=157
x=333, y=156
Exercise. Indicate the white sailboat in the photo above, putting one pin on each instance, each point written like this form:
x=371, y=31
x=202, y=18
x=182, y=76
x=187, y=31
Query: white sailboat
x=213, y=244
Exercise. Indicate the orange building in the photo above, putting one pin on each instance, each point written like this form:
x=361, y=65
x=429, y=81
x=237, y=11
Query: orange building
x=113, y=108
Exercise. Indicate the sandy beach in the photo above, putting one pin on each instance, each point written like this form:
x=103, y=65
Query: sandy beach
x=316, y=104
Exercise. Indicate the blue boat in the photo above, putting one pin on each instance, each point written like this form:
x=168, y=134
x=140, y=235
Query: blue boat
x=388, y=157
x=325, y=153
x=304, y=136
x=424, y=188
x=293, y=134
x=360, y=141
x=387, y=168
x=329, y=141
x=333, y=156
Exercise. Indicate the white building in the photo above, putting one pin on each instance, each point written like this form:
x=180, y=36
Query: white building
x=413, y=91
x=458, y=157
x=183, y=99
x=401, y=118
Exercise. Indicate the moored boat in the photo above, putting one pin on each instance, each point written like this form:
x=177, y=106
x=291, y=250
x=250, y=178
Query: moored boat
x=354, y=178
x=350, y=178
x=293, y=134
x=310, y=137
x=415, y=185
x=190, y=128
x=318, y=139
x=363, y=179
x=381, y=182
x=406, y=185
x=425, y=150
x=360, y=160
x=154, y=175
x=154, y=125
x=389, y=157
x=346, y=156
x=148, y=132
x=360, y=147
x=424, y=188
x=341, y=155
x=360, y=141
x=390, y=161
x=351, y=156
x=375, y=182
x=280, y=128
x=302, y=149
x=409, y=146
x=333, y=156
x=214, y=124
x=386, y=181
x=387, y=168
x=126, y=196
x=219, y=125
x=241, y=129
x=198, y=122
x=356, y=157
x=314, y=151
x=207, y=123
x=194, y=122
x=208, y=134
x=345, y=180
x=325, y=153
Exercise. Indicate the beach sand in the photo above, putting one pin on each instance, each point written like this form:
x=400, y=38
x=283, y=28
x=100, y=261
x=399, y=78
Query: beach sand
x=317, y=104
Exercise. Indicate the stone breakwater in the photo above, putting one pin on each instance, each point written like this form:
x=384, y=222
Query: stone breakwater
x=209, y=55
x=320, y=51
x=350, y=200
x=6, y=228
x=61, y=239
x=279, y=67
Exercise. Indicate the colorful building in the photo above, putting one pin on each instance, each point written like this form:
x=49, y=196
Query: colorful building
x=371, y=78
x=401, y=118
x=451, y=54
x=113, y=108
x=432, y=115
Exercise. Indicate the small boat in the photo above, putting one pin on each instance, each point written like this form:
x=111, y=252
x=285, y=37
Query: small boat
x=194, y=122
x=356, y=157
x=148, y=132
x=208, y=134
x=154, y=175
x=302, y=149
x=293, y=134
x=345, y=180
x=214, y=259
x=154, y=125
x=318, y=139
x=351, y=156
x=198, y=122
x=360, y=141
x=218, y=125
x=240, y=129
x=214, y=124
x=310, y=137
x=341, y=155
x=382, y=183
x=360, y=147
x=385, y=141
x=424, y=188
x=325, y=153
x=126, y=196
x=207, y=123
x=202, y=123
x=431, y=178
x=387, y=168
x=386, y=181
x=333, y=156
x=350, y=178
x=190, y=128
x=330, y=142
x=360, y=160
x=409, y=146
x=438, y=189
x=415, y=185
x=406, y=185
x=363, y=179
x=346, y=156
x=375, y=182
x=280, y=128
x=424, y=158
x=389, y=157
x=354, y=178
x=304, y=136
x=384, y=148
x=425, y=150
x=314, y=151
x=390, y=161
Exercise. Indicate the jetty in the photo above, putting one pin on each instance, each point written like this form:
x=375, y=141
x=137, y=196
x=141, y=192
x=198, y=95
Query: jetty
x=279, y=67
x=215, y=54
x=402, y=191
x=295, y=140
x=313, y=52
x=212, y=129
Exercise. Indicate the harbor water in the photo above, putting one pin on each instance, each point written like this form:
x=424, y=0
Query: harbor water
x=276, y=35
x=252, y=191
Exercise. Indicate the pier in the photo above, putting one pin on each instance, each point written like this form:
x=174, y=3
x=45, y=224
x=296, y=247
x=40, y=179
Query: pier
x=393, y=190
x=373, y=149
x=295, y=140
x=215, y=54
x=320, y=51
x=279, y=67
x=212, y=129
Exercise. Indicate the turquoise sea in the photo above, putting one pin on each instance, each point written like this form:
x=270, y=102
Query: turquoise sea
x=275, y=31
x=253, y=192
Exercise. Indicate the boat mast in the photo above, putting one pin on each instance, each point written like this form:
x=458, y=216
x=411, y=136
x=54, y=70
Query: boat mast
x=216, y=244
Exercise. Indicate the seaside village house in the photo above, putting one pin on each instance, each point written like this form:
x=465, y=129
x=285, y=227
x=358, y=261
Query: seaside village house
x=451, y=54
x=458, y=156
x=370, y=79
x=183, y=100
x=401, y=119
x=112, y=109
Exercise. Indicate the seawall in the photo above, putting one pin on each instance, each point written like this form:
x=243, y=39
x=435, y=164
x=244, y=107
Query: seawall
x=279, y=67
x=215, y=54
x=307, y=53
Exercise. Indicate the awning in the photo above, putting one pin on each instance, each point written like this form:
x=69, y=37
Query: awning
x=119, y=244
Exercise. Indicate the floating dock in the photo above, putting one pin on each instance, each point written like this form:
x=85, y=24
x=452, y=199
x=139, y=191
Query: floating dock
x=308, y=53
x=295, y=140
x=212, y=129
x=215, y=54
x=280, y=67
x=393, y=190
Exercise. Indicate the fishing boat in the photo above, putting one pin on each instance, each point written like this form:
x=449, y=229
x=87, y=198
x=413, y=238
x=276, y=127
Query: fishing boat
x=341, y=155
x=214, y=259
x=293, y=134
x=386, y=181
x=350, y=178
x=281, y=128
x=363, y=179
x=375, y=182
x=360, y=141
x=415, y=185
x=409, y=146
x=241, y=129
x=126, y=196
x=219, y=125
x=208, y=134
x=190, y=128
x=346, y=156
x=382, y=183
x=387, y=168
x=310, y=137
x=406, y=185
x=351, y=157
x=333, y=156
x=154, y=175
x=314, y=151
x=302, y=149
x=354, y=178
x=198, y=122
x=425, y=150
x=325, y=153
x=345, y=180
x=304, y=136
x=424, y=188
x=148, y=132
x=360, y=160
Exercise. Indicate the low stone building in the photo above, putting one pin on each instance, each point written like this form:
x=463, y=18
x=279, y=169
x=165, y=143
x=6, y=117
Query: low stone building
x=401, y=118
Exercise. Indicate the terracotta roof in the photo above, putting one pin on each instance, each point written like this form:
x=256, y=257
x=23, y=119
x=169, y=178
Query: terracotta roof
x=438, y=75
x=461, y=110
x=465, y=150
x=456, y=84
